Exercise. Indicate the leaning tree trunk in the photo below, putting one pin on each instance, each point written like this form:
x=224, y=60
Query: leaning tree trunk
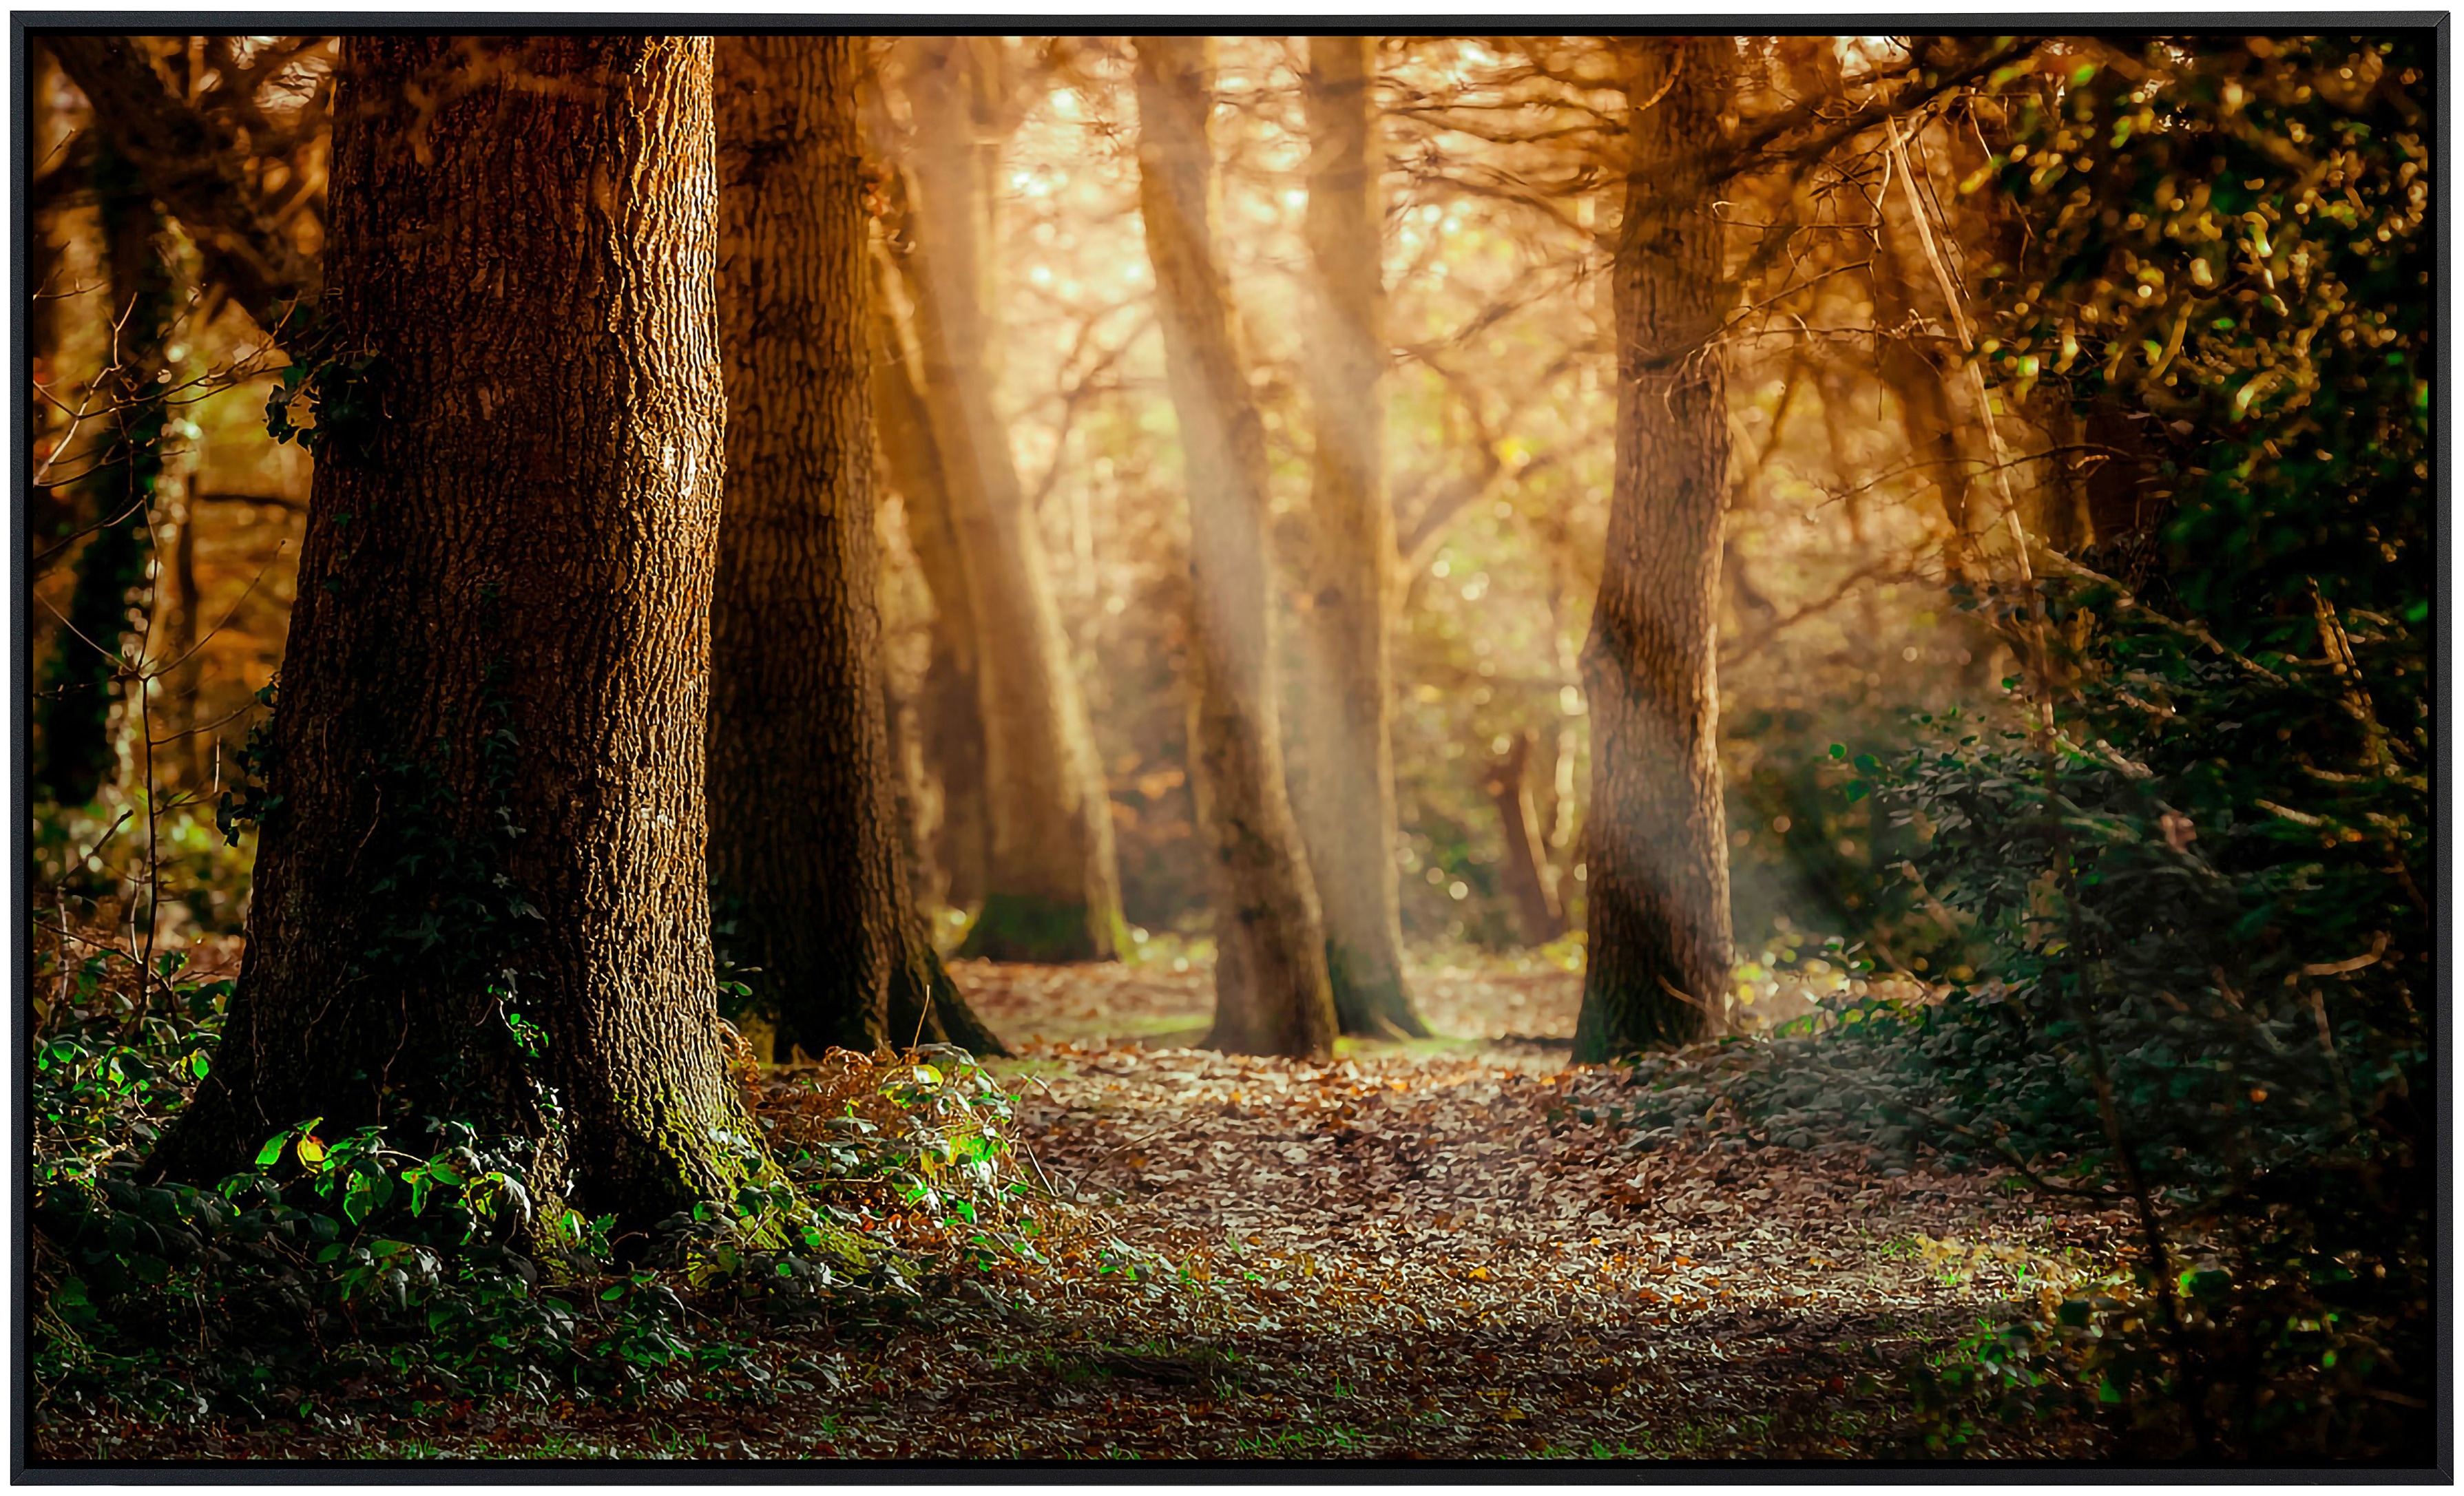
x=1346, y=797
x=1908, y=341
x=1271, y=995
x=89, y=669
x=1052, y=887
x=481, y=894
x=1656, y=885
x=806, y=852
x=1530, y=879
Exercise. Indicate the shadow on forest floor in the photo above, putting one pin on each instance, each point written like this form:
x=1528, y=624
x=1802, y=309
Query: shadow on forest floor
x=1446, y=1249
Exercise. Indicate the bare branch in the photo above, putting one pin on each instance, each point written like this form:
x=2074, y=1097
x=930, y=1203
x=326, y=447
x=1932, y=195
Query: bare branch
x=189, y=163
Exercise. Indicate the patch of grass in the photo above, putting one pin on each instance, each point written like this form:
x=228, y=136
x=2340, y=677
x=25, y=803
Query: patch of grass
x=1326, y=1437
x=1434, y=1046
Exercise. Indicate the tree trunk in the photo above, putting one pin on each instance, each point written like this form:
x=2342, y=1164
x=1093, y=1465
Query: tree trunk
x=1271, y=995
x=50, y=516
x=1346, y=798
x=805, y=853
x=1052, y=891
x=949, y=711
x=1530, y=881
x=185, y=667
x=1918, y=360
x=1657, y=889
x=87, y=674
x=481, y=892
x=2124, y=512
x=182, y=755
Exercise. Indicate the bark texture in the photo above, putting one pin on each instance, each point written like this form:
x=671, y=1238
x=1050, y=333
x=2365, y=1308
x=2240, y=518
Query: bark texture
x=1051, y=886
x=482, y=892
x=1271, y=995
x=1657, y=892
x=50, y=515
x=806, y=856
x=1346, y=793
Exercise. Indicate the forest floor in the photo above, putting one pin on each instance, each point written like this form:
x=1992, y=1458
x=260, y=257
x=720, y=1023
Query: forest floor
x=1437, y=1249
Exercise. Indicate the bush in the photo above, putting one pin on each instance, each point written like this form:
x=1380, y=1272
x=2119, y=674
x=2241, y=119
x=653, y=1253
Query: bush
x=417, y=1261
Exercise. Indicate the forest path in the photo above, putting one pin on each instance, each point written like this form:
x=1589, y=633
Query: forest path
x=1449, y=1249
x=1440, y=1250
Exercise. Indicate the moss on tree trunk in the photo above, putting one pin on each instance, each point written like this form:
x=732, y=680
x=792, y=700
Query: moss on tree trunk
x=480, y=892
x=1346, y=795
x=804, y=850
x=1271, y=992
x=1656, y=849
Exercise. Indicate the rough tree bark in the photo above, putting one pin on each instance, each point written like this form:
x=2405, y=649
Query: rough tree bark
x=1271, y=995
x=1346, y=795
x=1051, y=888
x=806, y=852
x=1657, y=889
x=482, y=892
x=88, y=671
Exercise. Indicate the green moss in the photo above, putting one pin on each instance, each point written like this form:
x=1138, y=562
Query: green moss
x=682, y=1156
x=841, y=1242
x=1025, y=927
x=1369, y=1004
x=1433, y=1046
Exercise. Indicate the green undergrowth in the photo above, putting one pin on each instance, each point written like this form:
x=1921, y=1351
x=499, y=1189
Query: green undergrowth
x=2273, y=1318
x=356, y=1275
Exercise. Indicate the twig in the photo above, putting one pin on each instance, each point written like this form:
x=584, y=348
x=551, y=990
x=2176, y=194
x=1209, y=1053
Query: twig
x=112, y=950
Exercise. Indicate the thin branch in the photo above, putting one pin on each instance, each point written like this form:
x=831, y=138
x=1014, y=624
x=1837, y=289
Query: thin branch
x=188, y=160
x=1745, y=648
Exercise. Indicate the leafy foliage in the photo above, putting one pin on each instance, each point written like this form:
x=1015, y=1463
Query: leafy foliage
x=317, y=403
x=337, y=1264
x=2193, y=880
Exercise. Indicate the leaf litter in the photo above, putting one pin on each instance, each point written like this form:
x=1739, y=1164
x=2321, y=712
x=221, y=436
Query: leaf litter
x=1441, y=1250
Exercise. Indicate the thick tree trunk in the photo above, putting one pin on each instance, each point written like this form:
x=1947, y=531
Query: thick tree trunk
x=1271, y=995
x=1529, y=880
x=949, y=711
x=1657, y=890
x=1051, y=888
x=88, y=674
x=1346, y=797
x=481, y=893
x=805, y=853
